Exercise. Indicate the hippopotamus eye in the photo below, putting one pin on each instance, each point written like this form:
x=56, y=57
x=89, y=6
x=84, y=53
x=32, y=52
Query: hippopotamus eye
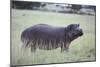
x=74, y=34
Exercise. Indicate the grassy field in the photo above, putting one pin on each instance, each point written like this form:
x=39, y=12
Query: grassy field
x=81, y=49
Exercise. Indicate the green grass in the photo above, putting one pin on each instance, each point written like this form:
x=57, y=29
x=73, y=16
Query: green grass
x=81, y=49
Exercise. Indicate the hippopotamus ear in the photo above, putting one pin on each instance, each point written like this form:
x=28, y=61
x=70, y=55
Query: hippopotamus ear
x=72, y=26
x=78, y=25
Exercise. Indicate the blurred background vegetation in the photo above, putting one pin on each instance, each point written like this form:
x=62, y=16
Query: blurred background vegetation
x=55, y=7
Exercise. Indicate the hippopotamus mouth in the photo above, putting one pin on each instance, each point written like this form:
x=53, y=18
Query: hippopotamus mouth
x=81, y=32
x=78, y=33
